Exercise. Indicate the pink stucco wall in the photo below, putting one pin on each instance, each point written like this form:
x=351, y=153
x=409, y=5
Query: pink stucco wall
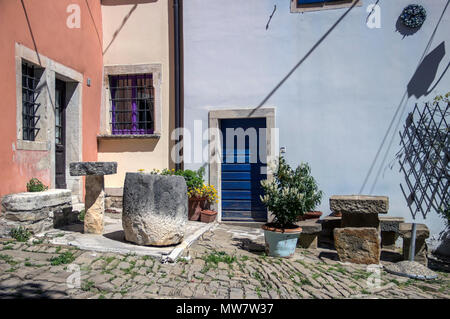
x=79, y=49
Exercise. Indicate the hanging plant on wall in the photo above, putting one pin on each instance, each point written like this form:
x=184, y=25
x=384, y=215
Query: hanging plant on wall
x=413, y=16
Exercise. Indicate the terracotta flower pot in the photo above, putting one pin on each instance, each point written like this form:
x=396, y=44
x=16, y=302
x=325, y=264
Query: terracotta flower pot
x=312, y=215
x=196, y=205
x=208, y=216
x=336, y=214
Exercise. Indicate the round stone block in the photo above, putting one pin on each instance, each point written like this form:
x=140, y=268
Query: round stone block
x=155, y=209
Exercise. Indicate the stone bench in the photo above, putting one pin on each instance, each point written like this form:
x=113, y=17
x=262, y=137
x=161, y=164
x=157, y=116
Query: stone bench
x=94, y=196
x=422, y=233
x=37, y=211
x=360, y=226
x=329, y=223
x=390, y=231
x=310, y=232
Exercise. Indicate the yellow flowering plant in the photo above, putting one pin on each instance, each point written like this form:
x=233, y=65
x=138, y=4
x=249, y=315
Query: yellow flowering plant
x=207, y=191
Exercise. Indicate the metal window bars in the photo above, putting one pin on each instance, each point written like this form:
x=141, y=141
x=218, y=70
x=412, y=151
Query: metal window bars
x=424, y=159
x=30, y=94
x=132, y=104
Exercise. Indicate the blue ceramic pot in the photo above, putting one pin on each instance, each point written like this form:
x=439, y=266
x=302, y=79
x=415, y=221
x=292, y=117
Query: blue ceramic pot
x=281, y=244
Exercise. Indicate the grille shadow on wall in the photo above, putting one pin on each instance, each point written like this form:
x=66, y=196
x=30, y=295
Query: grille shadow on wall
x=424, y=159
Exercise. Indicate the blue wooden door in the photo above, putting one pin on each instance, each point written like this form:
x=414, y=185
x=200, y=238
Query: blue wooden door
x=242, y=170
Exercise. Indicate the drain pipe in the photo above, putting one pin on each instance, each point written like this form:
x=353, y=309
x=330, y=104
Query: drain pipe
x=412, y=246
x=177, y=68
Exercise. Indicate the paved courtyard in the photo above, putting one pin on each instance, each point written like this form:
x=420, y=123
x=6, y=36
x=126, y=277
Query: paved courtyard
x=225, y=262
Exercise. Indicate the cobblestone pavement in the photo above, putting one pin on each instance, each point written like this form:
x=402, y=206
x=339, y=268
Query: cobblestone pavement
x=227, y=262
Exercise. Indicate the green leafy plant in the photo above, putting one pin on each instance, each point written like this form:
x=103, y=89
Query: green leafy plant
x=20, y=234
x=62, y=259
x=81, y=215
x=290, y=193
x=194, y=179
x=35, y=185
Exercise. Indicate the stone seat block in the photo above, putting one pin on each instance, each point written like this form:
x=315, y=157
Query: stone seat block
x=31, y=201
x=359, y=245
x=389, y=223
x=310, y=233
x=93, y=168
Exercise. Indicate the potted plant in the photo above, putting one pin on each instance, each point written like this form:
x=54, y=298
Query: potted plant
x=287, y=196
x=201, y=198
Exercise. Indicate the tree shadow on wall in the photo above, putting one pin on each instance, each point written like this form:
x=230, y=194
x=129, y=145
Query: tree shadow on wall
x=421, y=81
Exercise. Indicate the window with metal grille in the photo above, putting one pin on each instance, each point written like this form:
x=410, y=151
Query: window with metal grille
x=132, y=104
x=29, y=106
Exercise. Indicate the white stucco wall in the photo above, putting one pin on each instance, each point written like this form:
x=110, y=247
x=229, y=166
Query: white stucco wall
x=335, y=109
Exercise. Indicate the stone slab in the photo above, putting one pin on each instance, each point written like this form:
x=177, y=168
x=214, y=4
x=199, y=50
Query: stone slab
x=30, y=201
x=93, y=168
x=359, y=245
x=310, y=226
x=422, y=231
x=359, y=204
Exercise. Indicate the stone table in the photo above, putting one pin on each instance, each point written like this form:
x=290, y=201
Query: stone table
x=94, y=196
x=359, y=240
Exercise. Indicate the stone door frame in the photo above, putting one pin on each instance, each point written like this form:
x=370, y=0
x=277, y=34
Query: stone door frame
x=215, y=143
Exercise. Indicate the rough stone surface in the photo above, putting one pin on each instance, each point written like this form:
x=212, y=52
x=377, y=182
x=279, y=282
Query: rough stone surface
x=359, y=204
x=391, y=224
x=422, y=231
x=310, y=226
x=37, y=212
x=444, y=246
x=95, y=205
x=360, y=245
x=93, y=168
x=30, y=201
x=155, y=209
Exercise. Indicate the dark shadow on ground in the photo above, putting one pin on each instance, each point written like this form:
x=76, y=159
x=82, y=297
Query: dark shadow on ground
x=439, y=263
x=391, y=256
x=249, y=245
x=30, y=291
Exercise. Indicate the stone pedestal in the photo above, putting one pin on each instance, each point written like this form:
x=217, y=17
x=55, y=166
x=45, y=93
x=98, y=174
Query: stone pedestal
x=422, y=233
x=358, y=240
x=310, y=232
x=155, y=209
x=360, y=245
x=94, y=192
x=390, y=231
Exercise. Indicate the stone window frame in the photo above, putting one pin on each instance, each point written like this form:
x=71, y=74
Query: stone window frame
x=215, y=167
x=45, y=139
x=296, y=8
x=130, y=69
